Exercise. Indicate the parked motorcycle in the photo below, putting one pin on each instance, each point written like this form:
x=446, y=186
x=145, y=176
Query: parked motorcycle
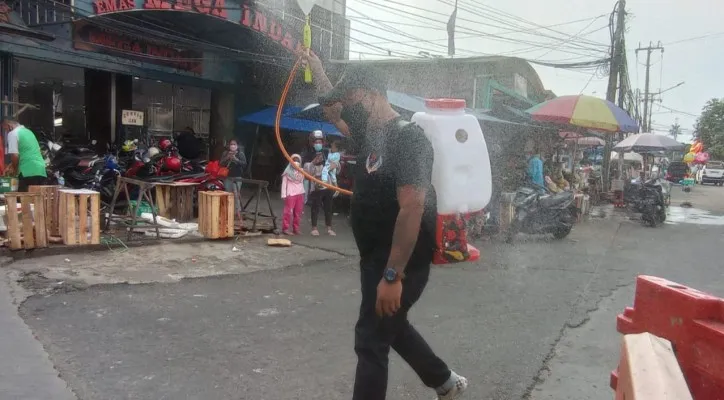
x=649, y=199
x=539, y=212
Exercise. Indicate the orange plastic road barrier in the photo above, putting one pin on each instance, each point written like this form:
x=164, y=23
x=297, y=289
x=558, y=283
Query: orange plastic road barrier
x=648, y=370
x=691, y=320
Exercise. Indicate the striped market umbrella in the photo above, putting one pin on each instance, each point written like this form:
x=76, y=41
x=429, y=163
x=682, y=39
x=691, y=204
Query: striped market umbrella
x=585, y=112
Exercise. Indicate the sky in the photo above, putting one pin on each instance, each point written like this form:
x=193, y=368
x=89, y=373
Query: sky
x=562, y=31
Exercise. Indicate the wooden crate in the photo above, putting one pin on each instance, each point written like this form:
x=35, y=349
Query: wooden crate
x=50, y=203
x=507, y=211
x=27, y=230
x=216, y=215
x=75, y=208
x=176, y=200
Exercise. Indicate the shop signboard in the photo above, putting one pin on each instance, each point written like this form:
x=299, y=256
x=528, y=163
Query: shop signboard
x=131, y=117
x=287, y=33
x=89, y=37
x=216, y=8
x=106, y=6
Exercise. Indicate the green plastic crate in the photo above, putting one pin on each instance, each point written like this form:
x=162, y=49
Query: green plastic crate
x=144, y=208
x=8, y=184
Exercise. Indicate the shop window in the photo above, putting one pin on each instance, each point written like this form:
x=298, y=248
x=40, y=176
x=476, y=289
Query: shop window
x=192, y=108
x=55, y=95
x=155, y=99
x=172, y=108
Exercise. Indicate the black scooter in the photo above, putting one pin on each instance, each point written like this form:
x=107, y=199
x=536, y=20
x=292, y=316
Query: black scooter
x=538, y=211
x=648, y=199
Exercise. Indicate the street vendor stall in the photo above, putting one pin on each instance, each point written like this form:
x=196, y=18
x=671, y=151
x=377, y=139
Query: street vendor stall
x=586, y=112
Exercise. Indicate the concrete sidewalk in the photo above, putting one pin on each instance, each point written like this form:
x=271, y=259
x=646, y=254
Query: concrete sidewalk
x=26, y=373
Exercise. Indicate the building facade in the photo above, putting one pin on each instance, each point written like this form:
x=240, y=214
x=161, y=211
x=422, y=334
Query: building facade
x=74, y=66
x=501, y=85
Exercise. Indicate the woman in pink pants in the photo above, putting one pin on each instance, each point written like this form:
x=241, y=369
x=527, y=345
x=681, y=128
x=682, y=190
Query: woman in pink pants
x=293, y=195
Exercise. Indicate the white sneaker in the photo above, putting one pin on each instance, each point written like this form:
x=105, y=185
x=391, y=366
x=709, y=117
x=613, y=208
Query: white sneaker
x=461, y=384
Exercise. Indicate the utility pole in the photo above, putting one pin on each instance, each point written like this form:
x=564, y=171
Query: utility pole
x=617, y=51
x=648, y=50
x=617, y=55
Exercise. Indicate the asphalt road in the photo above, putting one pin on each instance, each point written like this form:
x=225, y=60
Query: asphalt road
x=532, y=320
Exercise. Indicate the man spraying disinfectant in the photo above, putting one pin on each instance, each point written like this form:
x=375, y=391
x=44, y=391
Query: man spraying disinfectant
x=394, y=214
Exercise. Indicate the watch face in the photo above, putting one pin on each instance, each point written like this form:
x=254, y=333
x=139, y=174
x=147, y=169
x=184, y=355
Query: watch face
x=390, y=274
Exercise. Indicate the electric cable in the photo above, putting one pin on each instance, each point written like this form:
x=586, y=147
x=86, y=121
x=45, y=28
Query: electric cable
x=577, y=34
x=463, y=29
x=475, y=12
x=678, y=111
x=523, y=20
x=708, y=35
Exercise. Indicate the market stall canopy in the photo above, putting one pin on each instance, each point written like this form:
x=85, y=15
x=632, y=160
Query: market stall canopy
x=648, y=143
x=267, y=117
x=589, y=141
x=585, y=112
x=628, y=157
x=402, y=103
x=582, y=140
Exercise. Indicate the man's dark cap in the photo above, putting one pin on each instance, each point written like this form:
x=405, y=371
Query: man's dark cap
x=356, y=76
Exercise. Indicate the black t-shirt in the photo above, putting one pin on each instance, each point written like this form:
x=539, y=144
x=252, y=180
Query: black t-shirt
x=399, y=156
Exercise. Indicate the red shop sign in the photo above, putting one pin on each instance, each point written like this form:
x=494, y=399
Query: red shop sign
x=216, y=8
x=93, y=38
x=108, y=6
x=270, y=27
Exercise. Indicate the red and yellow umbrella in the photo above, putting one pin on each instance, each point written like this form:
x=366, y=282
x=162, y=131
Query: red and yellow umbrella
x=585, y=112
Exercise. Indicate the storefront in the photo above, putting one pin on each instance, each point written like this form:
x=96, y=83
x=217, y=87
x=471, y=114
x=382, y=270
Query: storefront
x=181, y=65
x=55, y=95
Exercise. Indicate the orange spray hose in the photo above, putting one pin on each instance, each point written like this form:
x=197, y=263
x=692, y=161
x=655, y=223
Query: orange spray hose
x=278, y=133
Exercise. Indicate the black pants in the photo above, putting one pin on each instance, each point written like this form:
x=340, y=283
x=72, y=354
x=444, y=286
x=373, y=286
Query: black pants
x=374, y=336
x=321, y=198
x=25, y=182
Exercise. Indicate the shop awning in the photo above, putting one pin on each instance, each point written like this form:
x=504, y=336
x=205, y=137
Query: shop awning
x=267, y=117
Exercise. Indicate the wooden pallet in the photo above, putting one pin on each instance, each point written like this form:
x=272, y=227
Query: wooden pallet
x=176, y=200
x=216, y=215
x=50, y=203
x=75, y=207
x=24, y=231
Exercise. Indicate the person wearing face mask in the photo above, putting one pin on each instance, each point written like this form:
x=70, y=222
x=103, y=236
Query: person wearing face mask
x=319, y=196
x=293, y=195
x=235, y=160
x=315, y=146
x=393, y=222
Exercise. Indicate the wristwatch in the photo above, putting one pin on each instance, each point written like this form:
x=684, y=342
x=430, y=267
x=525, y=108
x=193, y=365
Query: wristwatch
x=390, y=275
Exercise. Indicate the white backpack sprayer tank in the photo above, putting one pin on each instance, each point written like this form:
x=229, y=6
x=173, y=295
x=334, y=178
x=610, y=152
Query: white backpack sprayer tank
x=460, y=174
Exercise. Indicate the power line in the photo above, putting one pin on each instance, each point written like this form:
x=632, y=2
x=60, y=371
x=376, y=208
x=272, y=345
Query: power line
x=507, y=23
x=708, y=35
x=523, y=20
x=577, y=34
x=465, y=29
x=675, y=111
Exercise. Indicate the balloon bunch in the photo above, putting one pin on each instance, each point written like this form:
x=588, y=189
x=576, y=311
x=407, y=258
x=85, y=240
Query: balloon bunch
x=696, y=154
